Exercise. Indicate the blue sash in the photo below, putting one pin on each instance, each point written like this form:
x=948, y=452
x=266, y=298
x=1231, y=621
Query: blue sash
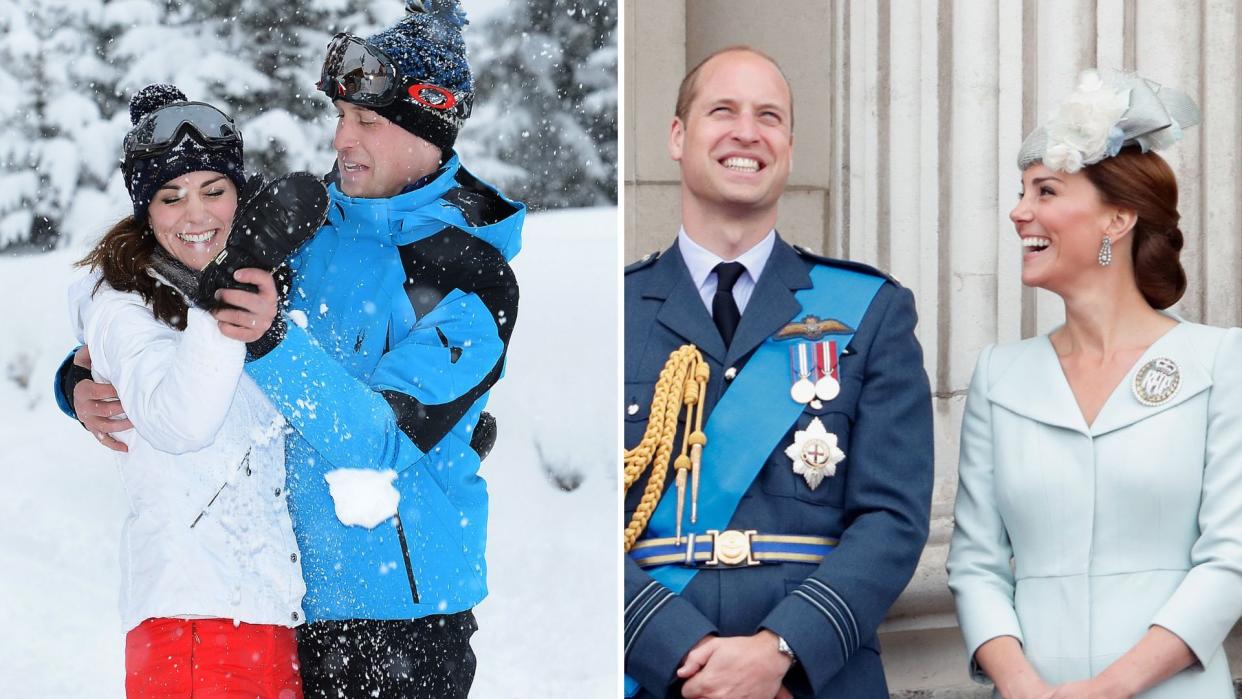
x=740, y=438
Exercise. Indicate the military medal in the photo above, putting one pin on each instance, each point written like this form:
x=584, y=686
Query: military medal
x=802, y=391
x=829, y=384
x=814, y=453
x=1157, y=381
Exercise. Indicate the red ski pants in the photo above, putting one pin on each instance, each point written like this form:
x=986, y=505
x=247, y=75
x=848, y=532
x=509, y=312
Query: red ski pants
x=201, y=658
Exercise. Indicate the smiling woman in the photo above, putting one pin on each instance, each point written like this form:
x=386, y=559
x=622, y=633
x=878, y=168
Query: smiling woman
x=1086, y=554
x=211, y=585
x=190, y=216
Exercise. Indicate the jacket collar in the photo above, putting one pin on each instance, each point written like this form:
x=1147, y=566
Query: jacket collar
x=360, y=217
x=771, y=305
x=1034, y=385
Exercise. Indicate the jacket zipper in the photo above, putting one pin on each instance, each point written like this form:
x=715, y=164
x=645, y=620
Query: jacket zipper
x=245, y=463
x=405, y=552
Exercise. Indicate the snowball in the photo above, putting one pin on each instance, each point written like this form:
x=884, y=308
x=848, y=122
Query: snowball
x=363, y=497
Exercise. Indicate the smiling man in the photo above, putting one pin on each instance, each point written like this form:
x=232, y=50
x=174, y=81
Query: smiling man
x=398, y=324
x=409, y=303
x=771, y=576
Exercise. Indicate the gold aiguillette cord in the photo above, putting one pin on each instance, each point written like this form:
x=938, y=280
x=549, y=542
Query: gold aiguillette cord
x=682, y=384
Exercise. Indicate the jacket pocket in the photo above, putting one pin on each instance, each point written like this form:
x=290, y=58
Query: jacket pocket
x=779, y=477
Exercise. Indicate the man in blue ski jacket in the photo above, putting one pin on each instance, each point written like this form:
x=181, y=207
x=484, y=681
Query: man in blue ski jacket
x=396, y=327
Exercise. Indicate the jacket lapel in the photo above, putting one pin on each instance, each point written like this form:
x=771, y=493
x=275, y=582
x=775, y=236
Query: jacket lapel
x=1124, y=409
x=1034, y=386
x=683, y=311
x=772, y=304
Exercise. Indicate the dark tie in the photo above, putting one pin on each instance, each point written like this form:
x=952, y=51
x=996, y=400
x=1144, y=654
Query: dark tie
x=724, y=307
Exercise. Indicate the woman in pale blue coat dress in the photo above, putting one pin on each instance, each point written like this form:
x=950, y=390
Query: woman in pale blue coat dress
x=1098, y=542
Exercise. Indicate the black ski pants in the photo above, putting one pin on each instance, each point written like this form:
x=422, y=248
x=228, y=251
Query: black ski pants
x=415, y=659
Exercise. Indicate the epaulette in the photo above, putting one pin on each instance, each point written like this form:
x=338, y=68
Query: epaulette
x=844, y=264
x=643, y=263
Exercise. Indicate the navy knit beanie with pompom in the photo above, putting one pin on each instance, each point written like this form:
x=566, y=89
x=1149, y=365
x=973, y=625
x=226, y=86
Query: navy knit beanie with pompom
x=428, y=48
x=144, y=175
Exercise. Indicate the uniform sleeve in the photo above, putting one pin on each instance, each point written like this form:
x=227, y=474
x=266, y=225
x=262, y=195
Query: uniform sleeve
x=980, y=576
x=660, y=628
x=422, y=386
x=1208, y=602
x=888, y=500
x=176, y=388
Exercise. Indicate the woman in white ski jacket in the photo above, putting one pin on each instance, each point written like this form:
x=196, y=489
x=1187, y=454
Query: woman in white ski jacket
x=211, y=585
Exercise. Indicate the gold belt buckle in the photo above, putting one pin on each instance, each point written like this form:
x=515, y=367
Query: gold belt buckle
x=731, y=547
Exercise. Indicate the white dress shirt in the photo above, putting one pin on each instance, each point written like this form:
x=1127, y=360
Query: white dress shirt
x=702, y=262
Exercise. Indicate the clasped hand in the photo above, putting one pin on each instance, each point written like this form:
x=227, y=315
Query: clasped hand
x=1095, y=688
x=736, y=667
x=246, y=315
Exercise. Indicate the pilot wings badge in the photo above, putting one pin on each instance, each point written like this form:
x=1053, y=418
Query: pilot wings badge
x=813, y=328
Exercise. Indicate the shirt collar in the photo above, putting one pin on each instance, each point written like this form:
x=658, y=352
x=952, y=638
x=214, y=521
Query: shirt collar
x=701, y=261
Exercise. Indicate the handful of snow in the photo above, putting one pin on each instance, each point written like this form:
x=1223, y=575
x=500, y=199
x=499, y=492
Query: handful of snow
x=363, y=497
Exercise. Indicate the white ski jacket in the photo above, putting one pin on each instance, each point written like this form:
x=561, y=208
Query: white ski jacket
x=208, y=532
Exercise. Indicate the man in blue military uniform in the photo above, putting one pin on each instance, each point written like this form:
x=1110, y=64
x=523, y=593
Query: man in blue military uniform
x=803, y=493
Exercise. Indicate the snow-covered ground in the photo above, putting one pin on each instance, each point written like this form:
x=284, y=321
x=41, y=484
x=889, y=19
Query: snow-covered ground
x=549, y=626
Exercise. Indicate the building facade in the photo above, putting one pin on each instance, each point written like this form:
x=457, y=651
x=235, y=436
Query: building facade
x=909, y=115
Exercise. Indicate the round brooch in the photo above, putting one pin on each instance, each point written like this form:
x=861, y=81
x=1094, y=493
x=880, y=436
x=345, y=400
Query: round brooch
x=1157, y=381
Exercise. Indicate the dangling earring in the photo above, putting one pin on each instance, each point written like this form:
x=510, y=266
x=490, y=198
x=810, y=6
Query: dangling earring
x=1106, y=252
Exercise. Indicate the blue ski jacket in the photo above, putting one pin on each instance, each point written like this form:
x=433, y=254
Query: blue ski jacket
x=399, y=318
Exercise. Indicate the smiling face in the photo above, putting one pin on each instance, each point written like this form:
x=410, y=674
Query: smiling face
x=1062, y=222
x=734, y=141
x=191, y=215
x=375, y=157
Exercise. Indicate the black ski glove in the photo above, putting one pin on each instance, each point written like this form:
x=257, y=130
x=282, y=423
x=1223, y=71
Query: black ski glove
x=272, y=221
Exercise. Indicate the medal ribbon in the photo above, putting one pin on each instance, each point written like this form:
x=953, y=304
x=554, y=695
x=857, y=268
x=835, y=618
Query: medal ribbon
x=739, y=437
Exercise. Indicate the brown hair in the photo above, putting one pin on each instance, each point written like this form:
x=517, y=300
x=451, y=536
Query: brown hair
x=123, y=257
x=688, y=89
x=1144, y=183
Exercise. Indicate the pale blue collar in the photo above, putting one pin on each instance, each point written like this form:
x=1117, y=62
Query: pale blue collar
x=701, y=261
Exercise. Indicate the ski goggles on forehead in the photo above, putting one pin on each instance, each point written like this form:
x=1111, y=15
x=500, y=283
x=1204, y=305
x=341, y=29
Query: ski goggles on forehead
x=361, y=74
x=165, y=127
x=357, y=72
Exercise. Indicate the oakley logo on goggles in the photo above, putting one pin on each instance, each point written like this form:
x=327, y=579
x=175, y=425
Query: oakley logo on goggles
x=361, y=74
x=165, y=127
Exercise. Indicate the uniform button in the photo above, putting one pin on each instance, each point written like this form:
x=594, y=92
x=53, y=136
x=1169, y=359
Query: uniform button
x=294, y=615
x=730, y=373
x=293, y=557
x=632, y=409
x=278, y=491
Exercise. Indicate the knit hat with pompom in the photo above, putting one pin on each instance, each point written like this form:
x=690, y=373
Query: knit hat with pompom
x=428, y=49
x=145, y=174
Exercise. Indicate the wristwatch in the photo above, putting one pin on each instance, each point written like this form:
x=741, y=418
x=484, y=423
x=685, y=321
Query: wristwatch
x=784, y=649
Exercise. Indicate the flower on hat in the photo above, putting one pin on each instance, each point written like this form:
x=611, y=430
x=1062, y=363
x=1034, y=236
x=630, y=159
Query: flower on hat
x=1084, y=128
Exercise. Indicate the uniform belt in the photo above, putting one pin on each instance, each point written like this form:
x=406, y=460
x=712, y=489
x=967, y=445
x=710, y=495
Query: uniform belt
x=731, y=548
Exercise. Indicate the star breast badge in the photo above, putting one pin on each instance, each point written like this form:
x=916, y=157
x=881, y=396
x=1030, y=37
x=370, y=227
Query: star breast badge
x=814, y=453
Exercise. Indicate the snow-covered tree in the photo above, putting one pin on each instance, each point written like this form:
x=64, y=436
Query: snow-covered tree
x=545, y=122
x=544, y=127
x=56, y=136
